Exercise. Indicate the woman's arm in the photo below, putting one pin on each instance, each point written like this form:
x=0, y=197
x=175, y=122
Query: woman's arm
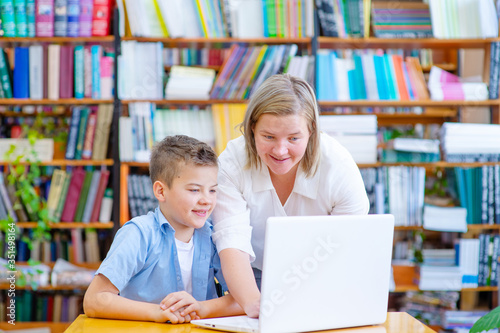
x=102, y=301
x=240, y=280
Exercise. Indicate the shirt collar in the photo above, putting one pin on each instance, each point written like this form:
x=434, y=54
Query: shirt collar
x=167, y=228
x=308, y=187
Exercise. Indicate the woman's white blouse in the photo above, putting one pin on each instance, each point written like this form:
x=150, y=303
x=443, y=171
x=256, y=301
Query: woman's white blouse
x=246, y=197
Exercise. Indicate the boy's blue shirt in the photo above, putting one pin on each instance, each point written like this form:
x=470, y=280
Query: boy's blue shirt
x=143, y=264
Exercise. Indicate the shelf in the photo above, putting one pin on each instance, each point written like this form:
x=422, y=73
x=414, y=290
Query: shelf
x=69, y=225
x=88, y=265
x=190, y=102
x=136, y=164
x=469, y=227
x=97, y=39
x=67, y=162
x=68, y=101
x=405, y=277
x=446, y=67
x=422, y=103
x=440, y=164
x=405, y=43
x=183, y=41
x=5, y=286
x=214, y=67
x=34, y=114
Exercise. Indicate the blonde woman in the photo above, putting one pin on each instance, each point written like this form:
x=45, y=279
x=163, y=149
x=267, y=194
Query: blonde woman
x=281, y=166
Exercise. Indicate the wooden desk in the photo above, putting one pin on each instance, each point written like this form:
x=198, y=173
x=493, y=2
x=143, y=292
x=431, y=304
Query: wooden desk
x=397, y=322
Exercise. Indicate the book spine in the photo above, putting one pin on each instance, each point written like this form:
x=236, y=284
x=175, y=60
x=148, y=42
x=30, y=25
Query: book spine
x=73, y=133
x=44, y=18
x=96, y=51
x=8, y=18
x=21, y=18
x=30, y=17
x=60, y=18
x=21, y=72
x=79, y=72
x=107, y=77
x=101, y=18
x=87, y=73
x=86, y=12
x=5, y=74
x=89, y=136
x=84, y=116
x=36, y=71
x=73, y=18
x=494, y=70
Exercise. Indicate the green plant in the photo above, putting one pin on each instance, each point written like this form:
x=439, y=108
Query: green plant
x=487, y=322
x=24, y=172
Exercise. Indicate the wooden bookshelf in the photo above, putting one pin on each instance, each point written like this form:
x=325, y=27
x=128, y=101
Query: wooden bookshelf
x=53, y=40
x=5, y=286
x=67, y=101
x=476, y=227
x=69, y=225
x=439, y=164
x=404, y=43
x=421, y=103
x=190, y=41
x=106, y=162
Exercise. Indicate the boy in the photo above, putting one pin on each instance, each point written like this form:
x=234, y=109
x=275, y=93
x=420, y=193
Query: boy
x=157, y=261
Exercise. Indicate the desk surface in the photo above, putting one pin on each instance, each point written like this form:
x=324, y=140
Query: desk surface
x=397, y=322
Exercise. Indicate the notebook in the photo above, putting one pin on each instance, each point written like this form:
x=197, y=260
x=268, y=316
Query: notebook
x=320, y=272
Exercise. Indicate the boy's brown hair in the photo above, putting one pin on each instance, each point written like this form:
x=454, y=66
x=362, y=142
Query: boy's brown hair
x=172, y=153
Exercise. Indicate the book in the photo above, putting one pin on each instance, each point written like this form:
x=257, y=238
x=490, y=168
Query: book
x=66, y=72
x=36, y=61
x=101, y=16
x=82, y=126
x=91, y=197
x=53, y=71
x=85, y=18
x=83, y=196
x=21, y=72
x=73, y=195
x=60, y=18
x=73, y=18
x=103, y=125
x=44, y=18
x=101, y=188
x=89, y=135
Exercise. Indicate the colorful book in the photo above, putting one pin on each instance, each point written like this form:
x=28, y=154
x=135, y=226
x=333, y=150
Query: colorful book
x=21, y=18
x=83, y=196
x=44, y=18
x=7, y=16
x=73, y=18
x=60, y=18
x=73, y=195
x=101, y=18
x=66, y=72
x=84, y=116
x=86, y=12
x=89, y=135
x=101, y=188
x=79, y=69
x=73, y=132
x=21, y=72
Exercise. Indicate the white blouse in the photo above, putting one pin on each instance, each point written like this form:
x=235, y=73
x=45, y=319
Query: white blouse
x=246, y=197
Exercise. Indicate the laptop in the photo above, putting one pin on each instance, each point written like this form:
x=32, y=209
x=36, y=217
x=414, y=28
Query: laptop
x=320, y=272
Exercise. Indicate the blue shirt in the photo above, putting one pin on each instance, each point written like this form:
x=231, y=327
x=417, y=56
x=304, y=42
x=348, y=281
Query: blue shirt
x=143, y=265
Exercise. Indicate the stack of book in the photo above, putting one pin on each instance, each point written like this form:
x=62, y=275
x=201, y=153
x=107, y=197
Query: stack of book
x=447, y=86
x=247, y=67
x=60, y=18
x=193, y=56
x=140, y=71
x=217, y=18
x=468, y=260
x=449, y=219
x=430, y=305
x=401, y=19
x=369, y=75
x=186, y=83
x=464, y=19
x=440, y=277
x=461, y=321
x=357, y=133
x=140, y=195
x=344, y=19
x=466, y=142
x=57, y=71
x=413, y=150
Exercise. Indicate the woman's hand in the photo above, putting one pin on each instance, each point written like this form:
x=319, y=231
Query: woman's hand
x=183, y=305
x=252, y=309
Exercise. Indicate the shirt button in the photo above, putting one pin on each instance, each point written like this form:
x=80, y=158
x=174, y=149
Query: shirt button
x=178, y=278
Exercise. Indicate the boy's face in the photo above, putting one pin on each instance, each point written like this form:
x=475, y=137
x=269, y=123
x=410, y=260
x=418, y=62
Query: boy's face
x=191, y=198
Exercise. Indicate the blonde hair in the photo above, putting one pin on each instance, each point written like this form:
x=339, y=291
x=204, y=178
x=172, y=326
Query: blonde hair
x=172, y=153
x=284, y=95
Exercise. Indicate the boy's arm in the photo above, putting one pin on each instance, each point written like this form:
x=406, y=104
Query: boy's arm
x=102, y=301
x=185, y=303
x=220, y=307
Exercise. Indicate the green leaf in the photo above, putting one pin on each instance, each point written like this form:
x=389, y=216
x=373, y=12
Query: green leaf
x=487, y=322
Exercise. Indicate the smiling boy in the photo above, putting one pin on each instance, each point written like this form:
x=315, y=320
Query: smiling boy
x=161, y=266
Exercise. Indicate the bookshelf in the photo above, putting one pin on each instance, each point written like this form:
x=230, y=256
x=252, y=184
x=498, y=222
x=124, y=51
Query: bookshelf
x=62, y=107
x=436, y=112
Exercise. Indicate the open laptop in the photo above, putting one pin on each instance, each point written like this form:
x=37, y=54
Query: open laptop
x=320, y=272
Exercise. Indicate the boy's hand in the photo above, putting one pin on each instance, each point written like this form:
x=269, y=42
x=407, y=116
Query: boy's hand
x=183, y=303
x=173, y=317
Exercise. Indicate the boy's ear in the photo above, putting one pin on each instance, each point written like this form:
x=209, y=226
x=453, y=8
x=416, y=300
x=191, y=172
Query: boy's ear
x=159, y=190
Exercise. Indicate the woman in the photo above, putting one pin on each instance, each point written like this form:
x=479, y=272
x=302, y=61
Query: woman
x=281, y=166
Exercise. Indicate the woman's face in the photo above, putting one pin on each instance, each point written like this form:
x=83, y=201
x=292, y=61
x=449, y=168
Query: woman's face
x=281, y=142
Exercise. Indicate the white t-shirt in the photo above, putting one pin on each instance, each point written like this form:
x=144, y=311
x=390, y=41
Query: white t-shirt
x=246, y=197
x=185, y=253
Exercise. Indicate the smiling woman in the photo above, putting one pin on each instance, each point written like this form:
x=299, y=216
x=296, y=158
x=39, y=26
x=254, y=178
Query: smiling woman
x=281, y=166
